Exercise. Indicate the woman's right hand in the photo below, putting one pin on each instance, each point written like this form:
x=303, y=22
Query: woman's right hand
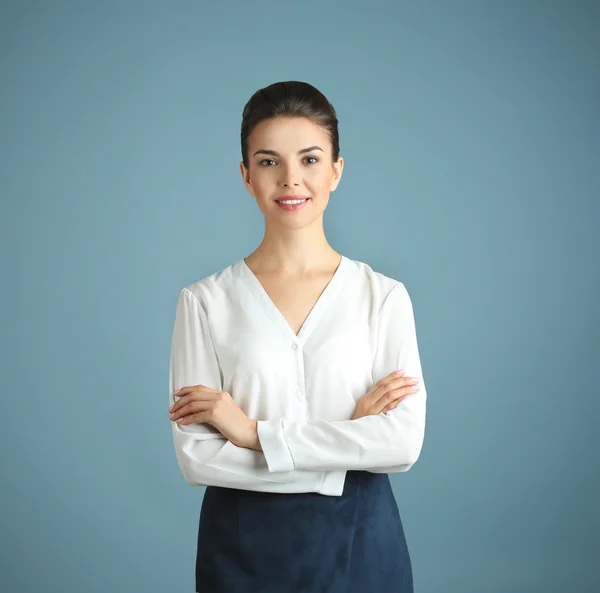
x=386, y=394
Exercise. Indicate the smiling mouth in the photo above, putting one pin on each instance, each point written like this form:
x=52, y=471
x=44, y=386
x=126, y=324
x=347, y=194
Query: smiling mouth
x=293, y=205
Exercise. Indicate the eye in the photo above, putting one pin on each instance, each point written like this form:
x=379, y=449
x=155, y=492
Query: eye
x=272, y=161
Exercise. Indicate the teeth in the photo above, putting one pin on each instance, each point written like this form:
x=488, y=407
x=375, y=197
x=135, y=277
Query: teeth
x=292, y=201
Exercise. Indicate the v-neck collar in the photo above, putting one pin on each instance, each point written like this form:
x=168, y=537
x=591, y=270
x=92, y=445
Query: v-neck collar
x=269, y=307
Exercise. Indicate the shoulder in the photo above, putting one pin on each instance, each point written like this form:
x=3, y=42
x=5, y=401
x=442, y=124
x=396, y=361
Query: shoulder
x=213, y=289
x=377, y=284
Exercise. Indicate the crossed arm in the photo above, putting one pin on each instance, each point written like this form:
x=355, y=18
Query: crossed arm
x=298, y=453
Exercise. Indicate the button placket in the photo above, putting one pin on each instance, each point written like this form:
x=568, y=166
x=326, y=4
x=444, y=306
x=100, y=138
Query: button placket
x=298, y=391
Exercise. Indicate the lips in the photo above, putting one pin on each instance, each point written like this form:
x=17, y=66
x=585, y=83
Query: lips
x=294, y=197
x=293, y=206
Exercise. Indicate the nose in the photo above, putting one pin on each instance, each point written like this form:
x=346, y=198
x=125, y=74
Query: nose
x=289, y=176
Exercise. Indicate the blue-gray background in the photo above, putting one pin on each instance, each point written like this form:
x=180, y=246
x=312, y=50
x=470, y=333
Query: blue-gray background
x=470, y=133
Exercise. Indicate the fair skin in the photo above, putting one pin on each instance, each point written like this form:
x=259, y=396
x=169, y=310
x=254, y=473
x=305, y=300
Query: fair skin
x=294, y=244
x=294, y=262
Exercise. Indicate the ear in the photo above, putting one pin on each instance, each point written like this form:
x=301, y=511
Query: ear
x=338, y=167
x=246, y=178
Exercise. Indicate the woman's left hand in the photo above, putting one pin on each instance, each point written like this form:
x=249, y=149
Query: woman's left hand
x=198, y=403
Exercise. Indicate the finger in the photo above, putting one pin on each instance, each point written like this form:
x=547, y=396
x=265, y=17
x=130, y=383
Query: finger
x=191, y=393
x=376, y=393
x=201, y=416
x=385, y=386
x=393, y=377
x=381, y=387
x=183, y=390
x=190, y=411
x=403, y=382
x=188, y=388
x=191, y=418
x=184, y=410
x=411, y=390
x=399, y=392
x=394, y=403
x=183, y=400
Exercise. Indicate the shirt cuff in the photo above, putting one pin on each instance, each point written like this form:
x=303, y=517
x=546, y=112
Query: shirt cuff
x=274, y=446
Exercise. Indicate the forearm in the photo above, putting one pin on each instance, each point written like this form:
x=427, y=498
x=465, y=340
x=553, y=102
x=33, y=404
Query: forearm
x=217, y=461
x=389, y=440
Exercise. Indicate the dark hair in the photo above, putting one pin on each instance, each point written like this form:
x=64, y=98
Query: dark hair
x=290, y=98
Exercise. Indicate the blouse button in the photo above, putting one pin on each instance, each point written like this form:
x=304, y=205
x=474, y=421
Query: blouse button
x=294, y=346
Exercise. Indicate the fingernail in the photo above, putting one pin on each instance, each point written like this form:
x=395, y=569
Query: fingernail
x=399, y=372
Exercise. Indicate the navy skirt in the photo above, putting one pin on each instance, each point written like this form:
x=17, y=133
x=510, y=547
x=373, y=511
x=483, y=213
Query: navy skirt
x=263, y=542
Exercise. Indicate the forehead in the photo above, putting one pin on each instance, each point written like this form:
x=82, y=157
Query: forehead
x=287, y=134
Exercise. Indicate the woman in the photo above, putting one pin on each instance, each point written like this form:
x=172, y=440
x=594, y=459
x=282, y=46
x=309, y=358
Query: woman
x=286, y=400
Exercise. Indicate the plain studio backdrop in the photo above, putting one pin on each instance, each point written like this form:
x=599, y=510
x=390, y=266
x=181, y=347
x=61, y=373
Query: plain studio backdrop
x=470, y=133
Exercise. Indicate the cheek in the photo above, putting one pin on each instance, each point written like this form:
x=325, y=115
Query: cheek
x=263, y=191
x=261, y=176
x=319, y=182
x=260, y=184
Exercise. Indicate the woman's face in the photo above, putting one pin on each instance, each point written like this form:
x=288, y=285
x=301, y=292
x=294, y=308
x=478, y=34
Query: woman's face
x=278, y=167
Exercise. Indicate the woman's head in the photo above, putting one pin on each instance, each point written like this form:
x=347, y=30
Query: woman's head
x=290, y=99
x=280, y=122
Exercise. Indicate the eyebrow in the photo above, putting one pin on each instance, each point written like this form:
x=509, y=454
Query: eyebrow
x=302, y=151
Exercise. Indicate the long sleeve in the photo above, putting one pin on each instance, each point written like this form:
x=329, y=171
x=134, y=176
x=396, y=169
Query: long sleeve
x=385, y=443
x=204, y=455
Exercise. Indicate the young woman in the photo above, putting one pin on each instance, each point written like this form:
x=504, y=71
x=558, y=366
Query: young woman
x=295, y=383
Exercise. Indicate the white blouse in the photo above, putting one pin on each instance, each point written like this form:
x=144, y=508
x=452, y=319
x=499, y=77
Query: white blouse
x=302, y=389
